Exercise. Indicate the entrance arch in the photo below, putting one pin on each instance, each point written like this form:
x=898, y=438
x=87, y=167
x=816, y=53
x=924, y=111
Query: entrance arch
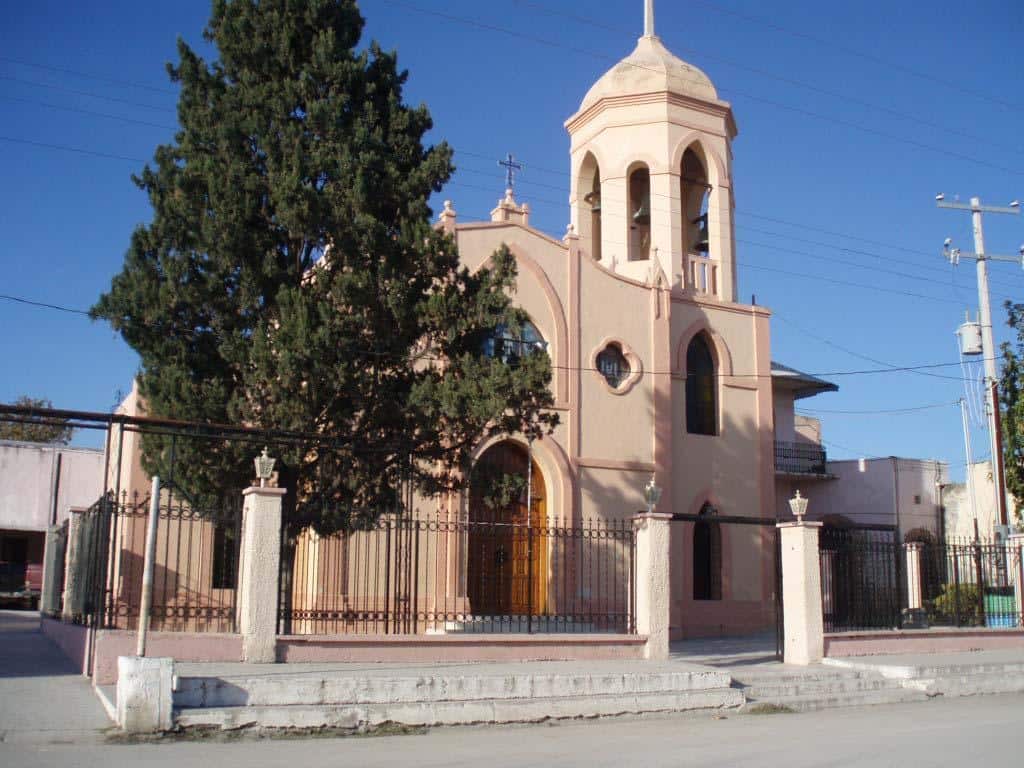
x=507, y=555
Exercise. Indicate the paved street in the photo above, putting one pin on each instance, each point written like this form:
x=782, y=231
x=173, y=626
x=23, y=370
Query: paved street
x=954, y=732
x=50, y=717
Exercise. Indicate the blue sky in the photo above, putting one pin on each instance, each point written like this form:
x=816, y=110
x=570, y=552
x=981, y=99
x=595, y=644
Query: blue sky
x=851, y=117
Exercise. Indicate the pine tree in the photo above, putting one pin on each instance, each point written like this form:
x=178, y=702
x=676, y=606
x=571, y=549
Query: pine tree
x=1011, y=393
x=290, y=277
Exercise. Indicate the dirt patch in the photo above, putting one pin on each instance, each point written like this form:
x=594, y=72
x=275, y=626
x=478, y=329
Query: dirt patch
x=222, y=736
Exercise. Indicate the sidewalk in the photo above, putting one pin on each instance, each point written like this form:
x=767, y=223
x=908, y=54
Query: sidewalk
x=42, y=697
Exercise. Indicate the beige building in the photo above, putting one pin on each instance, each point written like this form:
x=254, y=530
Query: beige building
x=659, y=371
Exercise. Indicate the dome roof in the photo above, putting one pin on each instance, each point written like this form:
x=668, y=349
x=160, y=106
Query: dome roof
x=651, y=67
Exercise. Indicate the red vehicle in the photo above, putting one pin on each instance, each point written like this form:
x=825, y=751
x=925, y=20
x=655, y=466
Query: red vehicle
x=21, y=583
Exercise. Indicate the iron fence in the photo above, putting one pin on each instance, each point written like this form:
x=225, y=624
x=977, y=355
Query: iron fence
x=861, y=579
x=970, y=583
x=434, y=574
x=800, y=458
x=870, y=580
x=195, y=569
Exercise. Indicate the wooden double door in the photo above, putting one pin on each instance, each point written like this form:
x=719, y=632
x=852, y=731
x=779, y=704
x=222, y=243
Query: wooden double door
x=508, y=546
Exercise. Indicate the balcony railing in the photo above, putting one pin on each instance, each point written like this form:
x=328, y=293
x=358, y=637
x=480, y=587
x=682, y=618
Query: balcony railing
x=701, y=275
x=800, y=459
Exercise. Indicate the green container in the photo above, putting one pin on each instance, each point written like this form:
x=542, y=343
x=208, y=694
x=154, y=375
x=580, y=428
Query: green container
x=1000, y=611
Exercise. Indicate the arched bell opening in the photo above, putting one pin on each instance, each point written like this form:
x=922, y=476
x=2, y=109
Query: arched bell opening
x=639, y=213
x=695, y=193
x=589, y=194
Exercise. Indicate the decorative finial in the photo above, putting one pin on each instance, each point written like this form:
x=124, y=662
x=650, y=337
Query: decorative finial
x=648, y=18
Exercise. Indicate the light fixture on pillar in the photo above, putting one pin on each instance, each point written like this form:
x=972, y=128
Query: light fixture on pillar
x=798, y=505
x=264, y=467
x=652, y=495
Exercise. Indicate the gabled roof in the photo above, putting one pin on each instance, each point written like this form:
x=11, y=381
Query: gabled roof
x=799, y=383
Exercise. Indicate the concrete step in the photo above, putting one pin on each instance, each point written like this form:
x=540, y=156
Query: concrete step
x=467, y=712
x=968, y=684
x=340, y=688
x=825, y=688
x=815, y=701
x=927, y=670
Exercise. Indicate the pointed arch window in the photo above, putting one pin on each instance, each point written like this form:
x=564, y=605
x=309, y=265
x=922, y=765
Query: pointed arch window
x=701, y=388
x=510, y=345
x=707, y=556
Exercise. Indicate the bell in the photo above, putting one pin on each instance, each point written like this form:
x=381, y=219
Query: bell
x=642, y=215
x=701, y=243
x=593, y=199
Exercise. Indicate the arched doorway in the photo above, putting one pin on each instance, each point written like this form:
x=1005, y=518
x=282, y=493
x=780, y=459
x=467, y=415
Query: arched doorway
x=507, y=554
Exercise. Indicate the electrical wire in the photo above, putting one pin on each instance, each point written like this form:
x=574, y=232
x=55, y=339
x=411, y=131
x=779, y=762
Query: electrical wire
x=761, y=99
x=434, y=358
x=846, y=97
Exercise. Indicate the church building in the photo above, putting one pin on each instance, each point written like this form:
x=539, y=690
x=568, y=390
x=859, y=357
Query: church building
x=659, y=374
x=658, y=370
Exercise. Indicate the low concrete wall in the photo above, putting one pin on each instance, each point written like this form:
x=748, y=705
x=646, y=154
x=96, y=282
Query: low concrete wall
x=470, y=647
x=180, y=646
x=72, y=639
x=721, y=618
x=921, y=641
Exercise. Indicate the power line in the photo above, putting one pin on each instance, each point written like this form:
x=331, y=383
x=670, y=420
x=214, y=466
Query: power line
x=832, y=45
x=66, y=148
x=884, y=411
x=528, y=182
x=848, y=283
x=93, y=113
x=87, y=94
x=86, y=75
x=800, y=275
x=771, y=102
x=854, y=353
x=787, y=80
x=397, y=356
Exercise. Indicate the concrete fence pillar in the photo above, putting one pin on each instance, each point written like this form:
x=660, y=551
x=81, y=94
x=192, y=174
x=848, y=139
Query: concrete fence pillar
x=145, y=694
x=53, y=570
x=915, y=596
x=1015, y=564
x=259, y=572
x=74, y=584
x=652, y=581
x=801, y=593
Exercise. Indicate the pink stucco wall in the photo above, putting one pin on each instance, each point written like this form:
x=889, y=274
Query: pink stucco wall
x=465, y=648
x=921, y=641
x=181, y=646
x=72, y=639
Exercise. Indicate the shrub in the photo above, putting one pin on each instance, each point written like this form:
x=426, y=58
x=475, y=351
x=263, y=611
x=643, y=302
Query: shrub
x=956, y=600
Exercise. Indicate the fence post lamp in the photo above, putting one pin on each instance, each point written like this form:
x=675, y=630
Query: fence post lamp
x=652, y=495
x=798, y=505
x=264, y=467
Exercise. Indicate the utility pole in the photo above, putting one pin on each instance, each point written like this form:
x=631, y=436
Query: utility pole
x=953, y=255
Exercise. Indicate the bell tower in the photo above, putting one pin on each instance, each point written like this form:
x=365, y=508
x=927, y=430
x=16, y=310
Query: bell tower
x=651, y=165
